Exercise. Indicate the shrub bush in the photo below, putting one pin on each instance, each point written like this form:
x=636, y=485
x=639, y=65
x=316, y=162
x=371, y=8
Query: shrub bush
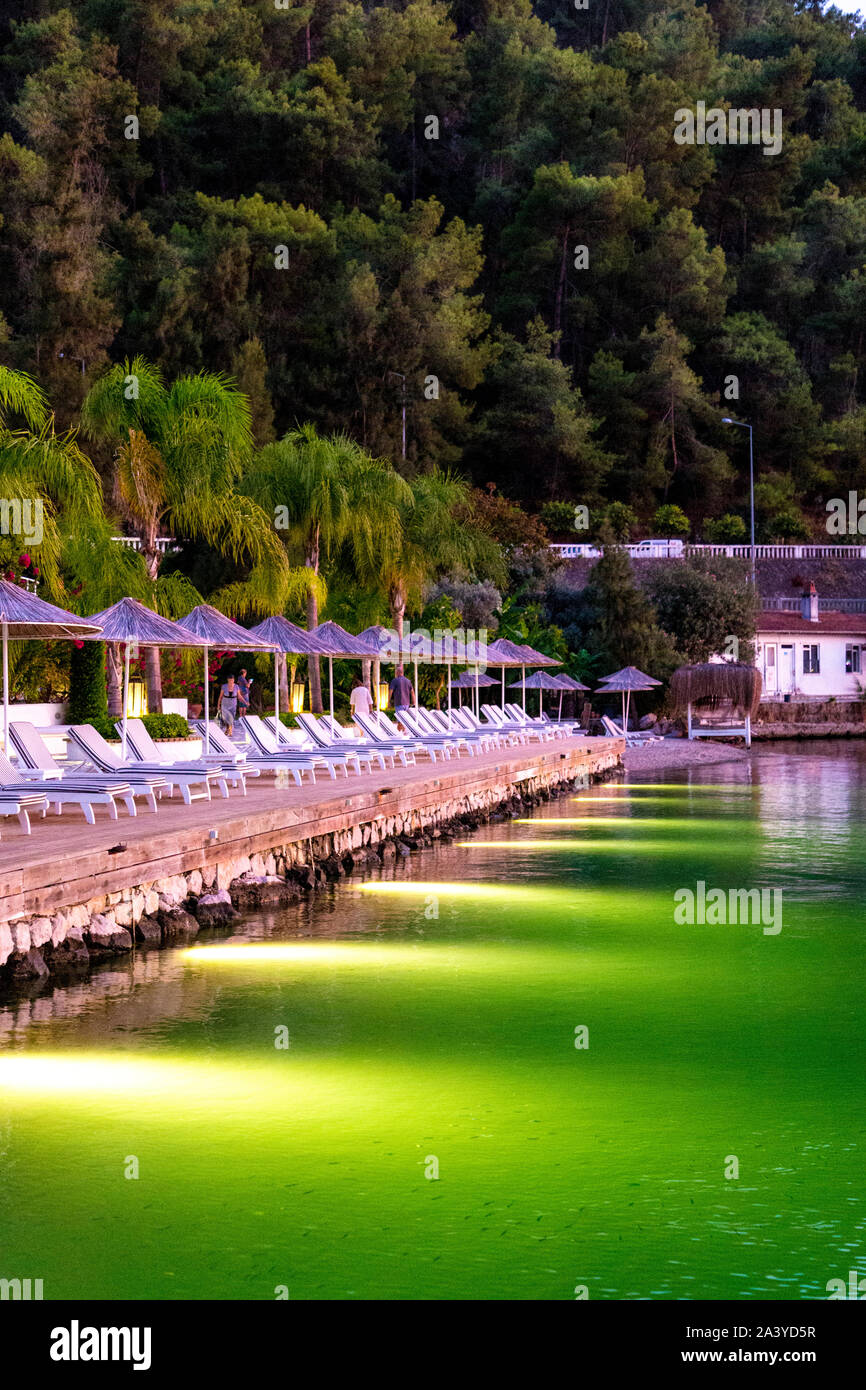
x=157, y=725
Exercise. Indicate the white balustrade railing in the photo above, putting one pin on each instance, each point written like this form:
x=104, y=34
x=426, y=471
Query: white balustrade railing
x=586, y=550
x=162, y=543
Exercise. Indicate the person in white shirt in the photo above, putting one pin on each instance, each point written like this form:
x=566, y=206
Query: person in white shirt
x=360, y=700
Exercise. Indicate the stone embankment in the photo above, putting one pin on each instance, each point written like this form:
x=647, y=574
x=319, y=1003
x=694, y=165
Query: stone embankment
x=169, y=911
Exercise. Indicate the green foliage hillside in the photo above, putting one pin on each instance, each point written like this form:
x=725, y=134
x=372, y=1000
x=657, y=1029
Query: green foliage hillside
x=352, y=207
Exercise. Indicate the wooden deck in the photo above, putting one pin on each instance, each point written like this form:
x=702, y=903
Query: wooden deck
x=65, y=861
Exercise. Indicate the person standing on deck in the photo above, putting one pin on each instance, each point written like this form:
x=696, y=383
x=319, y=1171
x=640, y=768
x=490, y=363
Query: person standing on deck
x=401, y=691
x=243, y=687
x=360, y=700
x=227, y=705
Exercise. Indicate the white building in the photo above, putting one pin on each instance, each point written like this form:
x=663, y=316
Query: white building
x=811, y=654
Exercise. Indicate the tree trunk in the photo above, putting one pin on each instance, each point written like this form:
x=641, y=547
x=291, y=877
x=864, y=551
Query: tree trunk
x=560, y=296
x=397, y=600
x=114, y=680
x=153, y=673
x=282, y=668
x=313, y=621
x=313, y=661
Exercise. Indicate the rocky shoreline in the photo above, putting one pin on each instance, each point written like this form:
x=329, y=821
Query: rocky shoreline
x=39, y=950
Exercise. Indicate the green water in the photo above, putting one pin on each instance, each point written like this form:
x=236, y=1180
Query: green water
x=430, y=1017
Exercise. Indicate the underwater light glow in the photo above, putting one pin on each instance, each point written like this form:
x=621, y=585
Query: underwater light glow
x=690, y=823
x=589, y=846
x=260, y=953
x=416, y=889
x=683, y=786
x=636, y=801
x=95, y=1074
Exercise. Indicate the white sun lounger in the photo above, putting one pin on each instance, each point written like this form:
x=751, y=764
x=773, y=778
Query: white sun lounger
x=185, y=775
x=268, y=745
x=345, y=738
x=66, y=792
x=319, y=739
x=19, y=799
x=452, y=740
x=273, y=762
x=486, y=738
x=37, y=765
x=636, y=740
x=101, y=756
x=519, y=716
x=400, y=745
x=500, y=720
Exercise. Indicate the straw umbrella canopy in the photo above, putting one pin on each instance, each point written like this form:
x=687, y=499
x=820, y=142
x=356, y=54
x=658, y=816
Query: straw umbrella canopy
x=218, y=631
x=24, y=617
x=504, y=653
x=467, y=680
x=128, y=621
x=540, y=681
x=567, y=683
x=470, y=680
x=283, y=636
x=626, y=680
x=332, y=640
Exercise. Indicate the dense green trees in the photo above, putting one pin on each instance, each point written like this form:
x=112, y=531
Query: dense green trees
x=472, y=216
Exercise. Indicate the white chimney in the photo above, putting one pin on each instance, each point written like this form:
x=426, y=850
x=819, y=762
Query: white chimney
x=809, y=604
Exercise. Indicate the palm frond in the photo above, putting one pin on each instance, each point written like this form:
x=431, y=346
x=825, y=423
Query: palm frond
x=174, y=595
x=255, y=596
x=98, y=571
x=21, y=395
x=52, y=466
x=129, y=396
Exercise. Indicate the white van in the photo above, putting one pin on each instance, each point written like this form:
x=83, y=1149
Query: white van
x=657, y=549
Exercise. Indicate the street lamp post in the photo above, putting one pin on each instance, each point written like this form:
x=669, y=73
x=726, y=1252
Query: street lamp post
x=744, y=426
x=403, y=400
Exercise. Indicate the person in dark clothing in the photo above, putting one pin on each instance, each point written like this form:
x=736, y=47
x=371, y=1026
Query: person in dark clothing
x=401, y=690
x=243, y=688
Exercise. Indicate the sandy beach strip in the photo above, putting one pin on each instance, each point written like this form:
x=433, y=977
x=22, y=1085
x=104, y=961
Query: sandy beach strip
x=679, y=752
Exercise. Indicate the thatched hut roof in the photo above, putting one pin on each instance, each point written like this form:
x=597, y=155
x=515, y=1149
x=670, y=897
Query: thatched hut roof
x=717, y=682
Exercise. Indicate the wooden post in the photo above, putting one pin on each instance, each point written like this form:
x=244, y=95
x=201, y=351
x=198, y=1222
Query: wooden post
x=689, y=718
x=748, y=731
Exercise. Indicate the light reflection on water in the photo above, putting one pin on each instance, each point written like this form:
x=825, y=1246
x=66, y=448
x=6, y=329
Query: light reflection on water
x=434, y=1013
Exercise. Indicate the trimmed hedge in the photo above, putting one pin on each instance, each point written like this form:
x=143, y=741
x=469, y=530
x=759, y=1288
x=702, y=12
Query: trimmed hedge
x=87, y=691
x=157, y=725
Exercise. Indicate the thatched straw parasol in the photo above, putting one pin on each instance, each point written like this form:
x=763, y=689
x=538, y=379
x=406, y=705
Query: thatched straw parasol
x=216, y=630
x=287, y=638
x=626, y=680
x=717, y=682
x=539, y=681
x=331, y=640
x=24, y=617
x=504, y=653
x=129, y=621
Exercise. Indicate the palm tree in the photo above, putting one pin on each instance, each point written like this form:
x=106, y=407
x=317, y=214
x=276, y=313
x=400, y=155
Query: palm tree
x=45, y=480
x=98, y=572
x=180, y=453
x=330, y=498
x=438, y=535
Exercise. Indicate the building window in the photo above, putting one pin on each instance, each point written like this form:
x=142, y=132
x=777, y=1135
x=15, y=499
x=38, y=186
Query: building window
x=852, y=659
x=812, y=660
